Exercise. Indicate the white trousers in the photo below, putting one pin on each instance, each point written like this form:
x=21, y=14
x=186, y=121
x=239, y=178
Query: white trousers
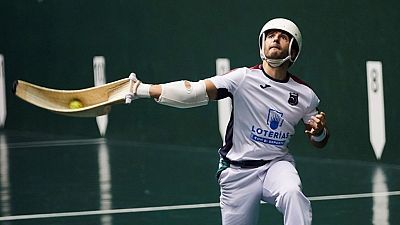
x=277, y=183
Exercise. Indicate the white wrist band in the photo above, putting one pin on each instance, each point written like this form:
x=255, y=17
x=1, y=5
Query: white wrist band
x=143, y=90
x=320, y=137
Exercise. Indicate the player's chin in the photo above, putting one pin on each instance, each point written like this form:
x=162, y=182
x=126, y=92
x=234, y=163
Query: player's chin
x=275, y=54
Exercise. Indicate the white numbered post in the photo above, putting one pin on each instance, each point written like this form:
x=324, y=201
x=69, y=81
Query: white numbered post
x=376, y=107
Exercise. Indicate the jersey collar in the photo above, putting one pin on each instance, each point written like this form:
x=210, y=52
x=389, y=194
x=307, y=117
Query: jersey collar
x=276, y=80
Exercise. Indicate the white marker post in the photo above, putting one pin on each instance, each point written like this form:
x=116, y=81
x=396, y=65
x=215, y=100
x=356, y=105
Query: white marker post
x=225, y=105
x=3, y=105
x=99, y=65
x=376, y=107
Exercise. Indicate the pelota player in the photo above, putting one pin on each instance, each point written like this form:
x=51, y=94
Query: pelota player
x=268, y=102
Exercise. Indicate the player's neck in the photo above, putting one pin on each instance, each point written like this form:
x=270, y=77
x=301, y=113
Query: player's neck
x=278, y=73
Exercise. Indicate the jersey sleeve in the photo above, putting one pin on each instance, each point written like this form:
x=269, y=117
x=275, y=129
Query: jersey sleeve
x=311, y=110
x=229, y=81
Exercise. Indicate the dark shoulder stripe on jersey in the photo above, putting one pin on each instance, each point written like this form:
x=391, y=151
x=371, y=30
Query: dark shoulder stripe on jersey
x=256, y=67
x=298, y=80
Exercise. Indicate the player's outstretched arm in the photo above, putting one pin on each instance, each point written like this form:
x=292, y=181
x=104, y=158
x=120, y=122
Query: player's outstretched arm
x=317, y=131
x=179, y=94
x=155, y=90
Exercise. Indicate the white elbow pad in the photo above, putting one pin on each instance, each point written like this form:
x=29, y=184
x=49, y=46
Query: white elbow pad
x=183, y=95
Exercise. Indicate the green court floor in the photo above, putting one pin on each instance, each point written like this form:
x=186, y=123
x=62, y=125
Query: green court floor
x=53, y=180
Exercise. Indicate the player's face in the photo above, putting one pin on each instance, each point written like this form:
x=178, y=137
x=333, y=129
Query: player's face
x=276, y=45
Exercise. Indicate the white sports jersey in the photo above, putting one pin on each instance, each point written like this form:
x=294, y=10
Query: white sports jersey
x=264, y=112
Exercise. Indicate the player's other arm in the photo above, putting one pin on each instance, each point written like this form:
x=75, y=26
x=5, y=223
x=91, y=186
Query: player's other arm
x=317, y=131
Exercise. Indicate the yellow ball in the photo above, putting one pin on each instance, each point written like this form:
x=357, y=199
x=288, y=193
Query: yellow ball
x=75, y=104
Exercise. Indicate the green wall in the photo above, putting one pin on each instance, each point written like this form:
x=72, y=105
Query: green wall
x=52, y=43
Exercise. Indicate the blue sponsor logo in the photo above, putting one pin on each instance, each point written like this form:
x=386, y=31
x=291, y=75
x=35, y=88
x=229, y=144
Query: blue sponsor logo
x=271, y=135
x=274, y=119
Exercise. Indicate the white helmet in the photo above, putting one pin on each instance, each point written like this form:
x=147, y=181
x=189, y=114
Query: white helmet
x=284, y=25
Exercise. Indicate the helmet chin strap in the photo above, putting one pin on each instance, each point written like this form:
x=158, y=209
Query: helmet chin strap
x=278, y=62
